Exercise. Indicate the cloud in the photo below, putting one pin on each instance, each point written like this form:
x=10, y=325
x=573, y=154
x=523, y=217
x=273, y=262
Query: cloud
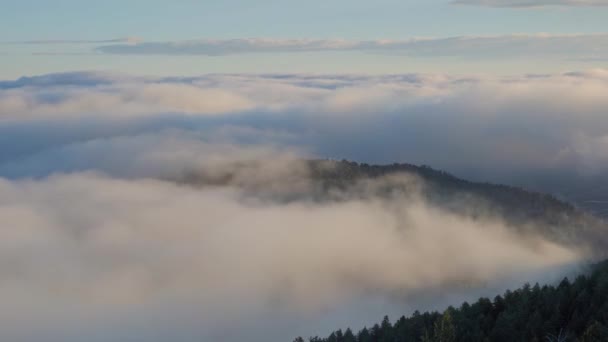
x=546, y=132
x=534, y=123
x=107, y=258
x=558, y=46
x=125, y=40
x=169, y=154
x=532, y=3
x=127, y=98
x=109, y=236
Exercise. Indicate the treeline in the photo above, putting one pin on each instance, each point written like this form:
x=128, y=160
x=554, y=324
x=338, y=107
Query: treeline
x=571, y=311
x=442, y=185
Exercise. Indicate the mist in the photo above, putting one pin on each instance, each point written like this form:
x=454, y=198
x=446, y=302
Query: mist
x=182, y=209
x=97, y=257
x=544, y=132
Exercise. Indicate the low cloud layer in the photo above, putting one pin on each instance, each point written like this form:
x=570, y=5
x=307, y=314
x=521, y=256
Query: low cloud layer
x=532, y=3
x=517, y=127
x=103, y=258
x=105, y=238
x=545, y=132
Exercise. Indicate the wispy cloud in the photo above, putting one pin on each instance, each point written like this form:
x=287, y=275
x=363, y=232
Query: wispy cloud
x=124, y=40
x=559, y=46
x=570, y=47
x=532, y=3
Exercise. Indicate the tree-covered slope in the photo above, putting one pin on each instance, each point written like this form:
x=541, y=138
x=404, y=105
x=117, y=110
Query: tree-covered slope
x=569, y=311
x=441, y=187
x=525, y=211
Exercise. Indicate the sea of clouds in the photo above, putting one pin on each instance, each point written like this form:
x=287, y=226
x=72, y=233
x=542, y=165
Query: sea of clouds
x=101, y=241
x=540, y=131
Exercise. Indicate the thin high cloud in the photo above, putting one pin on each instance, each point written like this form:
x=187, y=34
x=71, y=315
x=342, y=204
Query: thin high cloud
x=532, y=3
x=558, y=46
x=122, y=40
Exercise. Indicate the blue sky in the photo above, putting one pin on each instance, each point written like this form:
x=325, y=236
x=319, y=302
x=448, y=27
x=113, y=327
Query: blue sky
x=359, y=19
x=156, y=20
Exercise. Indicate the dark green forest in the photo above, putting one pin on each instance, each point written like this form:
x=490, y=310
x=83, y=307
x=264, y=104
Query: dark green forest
x=574, y=310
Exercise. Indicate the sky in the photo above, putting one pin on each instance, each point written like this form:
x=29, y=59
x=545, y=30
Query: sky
x=67, y=35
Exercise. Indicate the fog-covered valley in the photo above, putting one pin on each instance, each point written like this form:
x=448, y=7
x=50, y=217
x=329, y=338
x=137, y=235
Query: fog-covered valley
x=218, y=208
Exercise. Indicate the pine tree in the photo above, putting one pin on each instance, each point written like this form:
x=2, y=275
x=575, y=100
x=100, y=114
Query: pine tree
x=444, y=328
x=596, y=332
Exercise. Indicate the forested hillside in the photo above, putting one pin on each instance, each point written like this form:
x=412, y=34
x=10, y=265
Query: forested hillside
x=442, y=188
x=574, y=310
x=524, y=211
